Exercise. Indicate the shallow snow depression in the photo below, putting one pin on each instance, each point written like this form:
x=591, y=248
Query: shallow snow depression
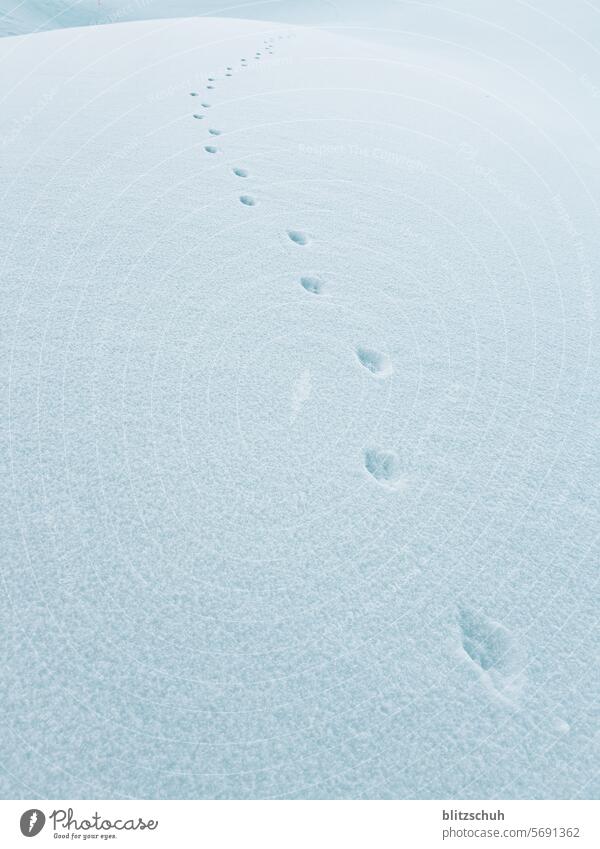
x=299, y=419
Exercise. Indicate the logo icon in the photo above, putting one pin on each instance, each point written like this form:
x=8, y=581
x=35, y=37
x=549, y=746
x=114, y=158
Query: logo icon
x=32, y=822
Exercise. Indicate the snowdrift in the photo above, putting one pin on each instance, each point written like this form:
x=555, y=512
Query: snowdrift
x=299, y=412
x=18, y=18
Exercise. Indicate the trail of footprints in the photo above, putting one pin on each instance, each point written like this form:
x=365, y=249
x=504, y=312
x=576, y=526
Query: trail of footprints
x=487, y=644
x=383, y=466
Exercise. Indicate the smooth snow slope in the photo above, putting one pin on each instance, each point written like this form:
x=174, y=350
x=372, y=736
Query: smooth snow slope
x=549, y=27
x=17, y=18
x=299, y=423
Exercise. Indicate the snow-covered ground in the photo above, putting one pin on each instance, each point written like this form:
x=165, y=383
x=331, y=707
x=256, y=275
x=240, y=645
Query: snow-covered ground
x=18, y=17
x=300, y=406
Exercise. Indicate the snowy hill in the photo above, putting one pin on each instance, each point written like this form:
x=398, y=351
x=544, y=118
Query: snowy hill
x=17, y=18
x=300, y=413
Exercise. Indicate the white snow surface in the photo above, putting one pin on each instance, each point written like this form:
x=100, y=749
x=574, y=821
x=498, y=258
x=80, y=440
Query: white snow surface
x=26, y=16
x=300, y=409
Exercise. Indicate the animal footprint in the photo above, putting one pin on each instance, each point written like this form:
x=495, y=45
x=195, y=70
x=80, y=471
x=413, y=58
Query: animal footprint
x=314, y=285
x=377, y=363
x=199, y=117
x=206, y=105
x=385, y=467
x=193, y=94
x=298, y=237
x=240, y=172
x=214, y=132
x=210, y=148
x=496, y=655
x=247, y=200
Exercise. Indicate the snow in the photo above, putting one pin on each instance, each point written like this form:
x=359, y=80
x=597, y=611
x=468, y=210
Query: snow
x=300, y=408
x=17, y=18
